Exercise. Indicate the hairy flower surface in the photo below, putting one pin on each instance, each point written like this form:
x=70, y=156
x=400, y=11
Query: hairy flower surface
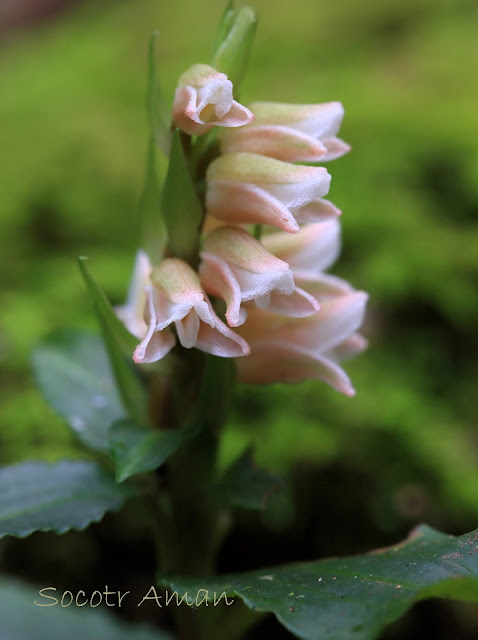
x=237, y=268
x=294, y=133
x=204, y=99
x=291, y=350
x=176, y=297
x=309, y=254
x=249, y=188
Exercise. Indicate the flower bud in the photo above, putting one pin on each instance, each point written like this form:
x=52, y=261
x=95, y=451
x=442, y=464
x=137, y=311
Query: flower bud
x=237, y=268
x=204, y=99
x=294, y=133
x=249, y=188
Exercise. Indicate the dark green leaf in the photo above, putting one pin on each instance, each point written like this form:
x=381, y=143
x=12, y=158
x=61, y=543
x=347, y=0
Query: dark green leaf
x=232, y=55
x=21, y=619
x=182, y=210
x=137, y=450
x=70, y=494
x=246, y=485
x=158, y=114
x=119, y=342
x=74, y=374
x=153, y=237
x=357, y=596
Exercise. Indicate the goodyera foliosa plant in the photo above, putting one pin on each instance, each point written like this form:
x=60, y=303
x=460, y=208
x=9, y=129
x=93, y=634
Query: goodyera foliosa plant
x=230, y=284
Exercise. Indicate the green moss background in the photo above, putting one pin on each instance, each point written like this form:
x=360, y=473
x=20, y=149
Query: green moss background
x=405, y=449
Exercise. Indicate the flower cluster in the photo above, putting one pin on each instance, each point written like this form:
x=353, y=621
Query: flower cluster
x=291, y=319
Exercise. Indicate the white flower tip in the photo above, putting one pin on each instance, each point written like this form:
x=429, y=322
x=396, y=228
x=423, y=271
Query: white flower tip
x=348, y=391
x=138, y=355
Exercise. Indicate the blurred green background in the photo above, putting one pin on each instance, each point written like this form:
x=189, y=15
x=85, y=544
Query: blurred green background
x=362, y=471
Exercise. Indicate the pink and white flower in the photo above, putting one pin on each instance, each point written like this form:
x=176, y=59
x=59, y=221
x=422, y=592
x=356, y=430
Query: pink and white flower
x=249, y=188
x=204, y=99
x=138, y=314
x=237, y=268
x=309, y=254
x=290, y=132
x=176, y=297
x=291, y=350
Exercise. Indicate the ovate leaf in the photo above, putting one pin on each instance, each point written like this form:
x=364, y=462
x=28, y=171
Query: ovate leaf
x=232, y=55
x=22, y=619
x=357, y=596
x=182, y=210
x=137, y=450
x=74, y=375
x=120, y=345
x=246, y=485
x=70, y=494
x=158, y=113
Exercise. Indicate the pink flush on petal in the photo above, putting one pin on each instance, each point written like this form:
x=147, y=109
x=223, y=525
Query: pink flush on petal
x=178, y=298
x=237, y=268
x=247, y=188
x=291, y=350
x=290, y=132
x=204, y=99
x=308, y=254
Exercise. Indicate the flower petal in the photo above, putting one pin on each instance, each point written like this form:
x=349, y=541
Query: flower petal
x=275, y=141
x=317, y=120
x=218, y=280
x=132, y=312
x=298, y=304
x=188, y=329
x=348, y=348
x=219, y=340
x=314, y=249
x=247, y=203
x=178, y=290
x=336, y=148
x=156, y=344
x=317, y=211
x=278, y=362
x=322, y=285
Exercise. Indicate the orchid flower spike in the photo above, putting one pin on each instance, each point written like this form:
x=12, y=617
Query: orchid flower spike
x=249, y=188
x=309, y=254
x=204, y=99
x=176, y=297
x=290, y=132
x=291, y=350
x=237, y=268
